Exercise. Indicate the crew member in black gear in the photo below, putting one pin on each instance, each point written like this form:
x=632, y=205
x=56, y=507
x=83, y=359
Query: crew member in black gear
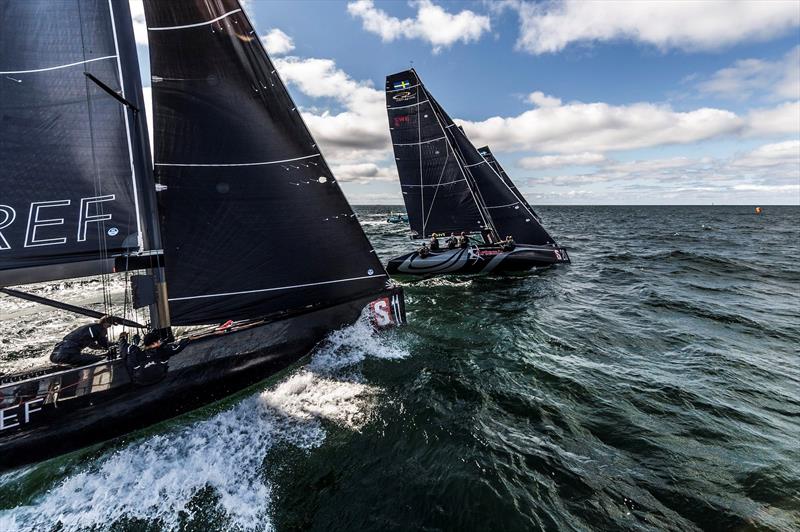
x=93, y=336
x=463, y=240
x=452, y=242
x=434, y=243
x=148, y=364
x=424, y=251
x=509, y=244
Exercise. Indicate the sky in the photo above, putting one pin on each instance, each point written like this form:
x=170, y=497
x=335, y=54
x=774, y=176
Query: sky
x=583, y=102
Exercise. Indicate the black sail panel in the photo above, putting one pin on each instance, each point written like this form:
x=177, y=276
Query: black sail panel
x=253, y=220
x=509, y=214
x=495, y=164
x=69, y=198
x=435, y=190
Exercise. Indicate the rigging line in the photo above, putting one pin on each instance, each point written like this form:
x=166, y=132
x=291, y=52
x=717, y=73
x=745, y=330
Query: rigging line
x=195, y=25
x=58, y=66
x=469, y=185
x=508, y=187
x=419, y=149
x=473, y=164
x=140, y=237
x=436, y=191
x=261, y=163
x=225, y=294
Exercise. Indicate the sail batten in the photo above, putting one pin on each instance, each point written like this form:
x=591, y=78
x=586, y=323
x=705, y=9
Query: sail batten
x=254, y=221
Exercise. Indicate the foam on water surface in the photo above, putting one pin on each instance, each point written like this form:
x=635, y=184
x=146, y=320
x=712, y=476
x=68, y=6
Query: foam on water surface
x=155, y=479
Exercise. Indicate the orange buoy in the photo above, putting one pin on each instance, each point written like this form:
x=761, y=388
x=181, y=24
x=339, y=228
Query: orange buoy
x=758, y=210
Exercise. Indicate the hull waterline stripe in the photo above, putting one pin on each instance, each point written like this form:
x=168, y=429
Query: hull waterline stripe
x=224, y=294
x=196, y=25
x=240, y=164
x=59, y=66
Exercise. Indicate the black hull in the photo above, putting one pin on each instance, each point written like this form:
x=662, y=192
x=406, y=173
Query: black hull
x=83, y=406
x=477, y=260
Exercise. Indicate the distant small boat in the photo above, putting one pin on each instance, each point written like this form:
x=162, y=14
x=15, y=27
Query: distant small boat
x=397, y=218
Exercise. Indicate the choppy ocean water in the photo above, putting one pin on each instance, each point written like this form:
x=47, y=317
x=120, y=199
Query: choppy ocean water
x=654, y=384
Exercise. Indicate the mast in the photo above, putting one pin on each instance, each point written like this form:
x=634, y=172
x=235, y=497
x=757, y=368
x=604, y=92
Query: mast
x=136, y=122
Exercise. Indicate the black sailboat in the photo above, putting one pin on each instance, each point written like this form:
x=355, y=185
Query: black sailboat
x=239, y=221
x=450, y=187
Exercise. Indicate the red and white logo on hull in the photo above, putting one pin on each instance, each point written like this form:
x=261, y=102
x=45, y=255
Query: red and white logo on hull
x=386, y=312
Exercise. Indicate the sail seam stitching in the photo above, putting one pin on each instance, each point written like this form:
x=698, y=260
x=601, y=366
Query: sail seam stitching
x=240, y=164
x=405, y=106
x=224, y=294
x=59, y=66
x=195, y=25
x=418, y=143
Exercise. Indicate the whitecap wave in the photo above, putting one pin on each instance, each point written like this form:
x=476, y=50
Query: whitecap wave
x=155, y=479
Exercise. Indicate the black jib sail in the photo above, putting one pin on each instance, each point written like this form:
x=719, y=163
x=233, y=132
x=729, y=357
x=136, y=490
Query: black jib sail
x=253, y=220
x=509, y=214
x=498, y=203
x=71, y=177
x=495, y=164
x=436, y=189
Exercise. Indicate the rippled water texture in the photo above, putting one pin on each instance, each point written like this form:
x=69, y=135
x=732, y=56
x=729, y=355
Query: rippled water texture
x=654, y=384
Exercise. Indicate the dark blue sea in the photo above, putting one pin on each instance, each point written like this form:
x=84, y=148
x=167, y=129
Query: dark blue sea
x=653, y=384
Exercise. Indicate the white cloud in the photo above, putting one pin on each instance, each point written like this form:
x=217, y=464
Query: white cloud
x=756, y=77
x=556, y=161
x=551, y=26
x=540, y=99
x=598, y=127
x=785, y=153
x=277, y=43
x=361, y=127
x=432, y=24
x=770, y=168
x=784, y=118
x=364, y=172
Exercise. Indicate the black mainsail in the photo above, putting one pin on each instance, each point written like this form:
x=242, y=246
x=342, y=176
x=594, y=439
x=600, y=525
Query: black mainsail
x=258, y=236
x=75, y=185
x=254, y=221
x=495, y=164
x=437, y=191
x=499, y=203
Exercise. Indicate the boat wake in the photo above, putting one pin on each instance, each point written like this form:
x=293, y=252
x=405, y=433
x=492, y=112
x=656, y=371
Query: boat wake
x=162, y=478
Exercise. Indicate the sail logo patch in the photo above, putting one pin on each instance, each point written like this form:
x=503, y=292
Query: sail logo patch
x=403, y=96
x=400, y=120
x=386, y=312
x=112, y=231
x=401, y=84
